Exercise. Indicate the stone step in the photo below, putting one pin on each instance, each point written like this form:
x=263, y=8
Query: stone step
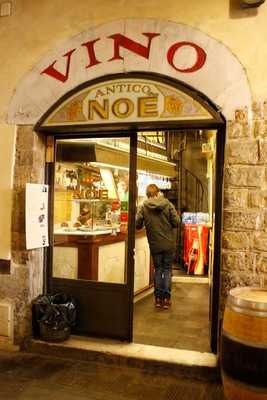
x=6, y=344
x=159, y=360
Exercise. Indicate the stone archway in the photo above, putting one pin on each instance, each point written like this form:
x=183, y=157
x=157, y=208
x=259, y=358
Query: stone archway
x=171, y=49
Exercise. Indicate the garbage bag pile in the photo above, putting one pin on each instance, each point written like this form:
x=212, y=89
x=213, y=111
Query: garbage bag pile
x=58, y=310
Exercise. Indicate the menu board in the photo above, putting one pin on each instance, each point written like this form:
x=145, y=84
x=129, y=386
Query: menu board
x=36, y=214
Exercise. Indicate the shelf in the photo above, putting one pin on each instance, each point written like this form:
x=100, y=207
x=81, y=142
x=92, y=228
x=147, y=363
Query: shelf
x=92, y=232
x=87, y=200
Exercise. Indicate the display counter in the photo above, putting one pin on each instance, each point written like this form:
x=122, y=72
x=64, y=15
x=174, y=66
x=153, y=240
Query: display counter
x=79, y=232
x=100, y=256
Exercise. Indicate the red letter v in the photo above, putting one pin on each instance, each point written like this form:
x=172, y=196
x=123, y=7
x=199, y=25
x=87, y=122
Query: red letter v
x=51, y=71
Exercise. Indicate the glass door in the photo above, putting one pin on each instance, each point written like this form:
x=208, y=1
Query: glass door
x=92, y=259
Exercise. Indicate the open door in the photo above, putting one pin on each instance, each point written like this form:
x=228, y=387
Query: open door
x=91, y=257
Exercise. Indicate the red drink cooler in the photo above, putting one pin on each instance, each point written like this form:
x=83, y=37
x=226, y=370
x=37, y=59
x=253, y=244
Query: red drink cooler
x=192, y=235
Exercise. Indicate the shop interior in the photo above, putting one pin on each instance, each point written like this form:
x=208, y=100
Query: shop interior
x=91, y=204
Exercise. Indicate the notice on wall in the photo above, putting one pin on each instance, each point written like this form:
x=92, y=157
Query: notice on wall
x=36, y=214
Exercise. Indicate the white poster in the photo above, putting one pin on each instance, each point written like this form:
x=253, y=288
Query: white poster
x=36, y=214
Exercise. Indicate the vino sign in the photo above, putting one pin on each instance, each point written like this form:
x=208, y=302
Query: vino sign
x=158, y=47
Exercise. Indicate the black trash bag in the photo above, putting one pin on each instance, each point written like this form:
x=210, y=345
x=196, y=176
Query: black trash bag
x=58, y=311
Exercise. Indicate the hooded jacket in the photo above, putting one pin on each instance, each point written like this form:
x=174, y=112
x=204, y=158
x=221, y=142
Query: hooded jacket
x=159, y=217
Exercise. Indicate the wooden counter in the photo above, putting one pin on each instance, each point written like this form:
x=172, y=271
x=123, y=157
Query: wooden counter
x=100, y=257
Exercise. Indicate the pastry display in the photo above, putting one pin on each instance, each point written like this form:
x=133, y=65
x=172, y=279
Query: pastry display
x=85, y=216
x=77, y=224
x=88, y=223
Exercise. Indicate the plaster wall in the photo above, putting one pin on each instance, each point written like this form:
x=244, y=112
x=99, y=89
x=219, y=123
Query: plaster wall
x=34, y=28
x=37, y=27
x=7, y=139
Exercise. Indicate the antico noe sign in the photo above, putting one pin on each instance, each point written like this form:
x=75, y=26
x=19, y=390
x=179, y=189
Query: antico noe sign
x=127, y=100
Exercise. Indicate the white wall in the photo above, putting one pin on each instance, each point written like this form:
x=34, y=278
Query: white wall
x=37, y=27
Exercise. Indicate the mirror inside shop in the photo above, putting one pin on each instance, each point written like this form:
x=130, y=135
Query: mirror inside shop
x=91, y=203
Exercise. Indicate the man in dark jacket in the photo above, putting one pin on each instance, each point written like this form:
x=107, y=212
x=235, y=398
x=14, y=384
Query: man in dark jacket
x=159, y=217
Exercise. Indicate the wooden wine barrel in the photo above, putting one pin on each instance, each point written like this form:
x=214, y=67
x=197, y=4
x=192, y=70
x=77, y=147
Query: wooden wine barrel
x=244, y=344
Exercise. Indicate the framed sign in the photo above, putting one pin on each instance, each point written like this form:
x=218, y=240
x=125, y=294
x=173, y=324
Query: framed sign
x=127, y=100
x=36, y=214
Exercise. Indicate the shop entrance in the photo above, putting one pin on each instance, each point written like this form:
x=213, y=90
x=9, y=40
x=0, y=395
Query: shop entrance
x=187, y=179
x=109, y=140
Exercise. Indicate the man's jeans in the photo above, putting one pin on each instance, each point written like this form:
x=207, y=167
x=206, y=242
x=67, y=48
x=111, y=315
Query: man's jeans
x=163, y=274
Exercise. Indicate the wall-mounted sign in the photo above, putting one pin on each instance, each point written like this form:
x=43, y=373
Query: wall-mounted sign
x=36, y=214
x=149, y=45
x=127, y=100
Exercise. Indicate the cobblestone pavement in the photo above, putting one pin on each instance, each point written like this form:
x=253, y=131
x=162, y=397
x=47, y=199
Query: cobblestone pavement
x=34, y=377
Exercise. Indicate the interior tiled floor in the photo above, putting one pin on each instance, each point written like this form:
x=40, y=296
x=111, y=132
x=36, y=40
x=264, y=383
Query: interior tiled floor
x=184, y=326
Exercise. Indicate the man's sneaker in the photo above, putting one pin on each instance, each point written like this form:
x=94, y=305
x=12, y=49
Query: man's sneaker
x=166, y=304
x=158, y=302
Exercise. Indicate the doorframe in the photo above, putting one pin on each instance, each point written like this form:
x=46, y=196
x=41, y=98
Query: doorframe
x=218, y=124
x=131, y=226
x=215, y=292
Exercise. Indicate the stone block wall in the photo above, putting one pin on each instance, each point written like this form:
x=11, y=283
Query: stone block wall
x=26, y=278
x=244, y=234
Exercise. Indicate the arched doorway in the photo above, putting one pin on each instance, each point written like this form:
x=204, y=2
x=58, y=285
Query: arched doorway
x=93, y=144
x=172, y=50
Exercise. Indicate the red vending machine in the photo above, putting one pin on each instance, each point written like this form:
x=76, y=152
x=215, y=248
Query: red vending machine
x=195, y=252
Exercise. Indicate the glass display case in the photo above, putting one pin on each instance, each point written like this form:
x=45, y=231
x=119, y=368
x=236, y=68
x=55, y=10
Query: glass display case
x=97, y=216
x=90, y=199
